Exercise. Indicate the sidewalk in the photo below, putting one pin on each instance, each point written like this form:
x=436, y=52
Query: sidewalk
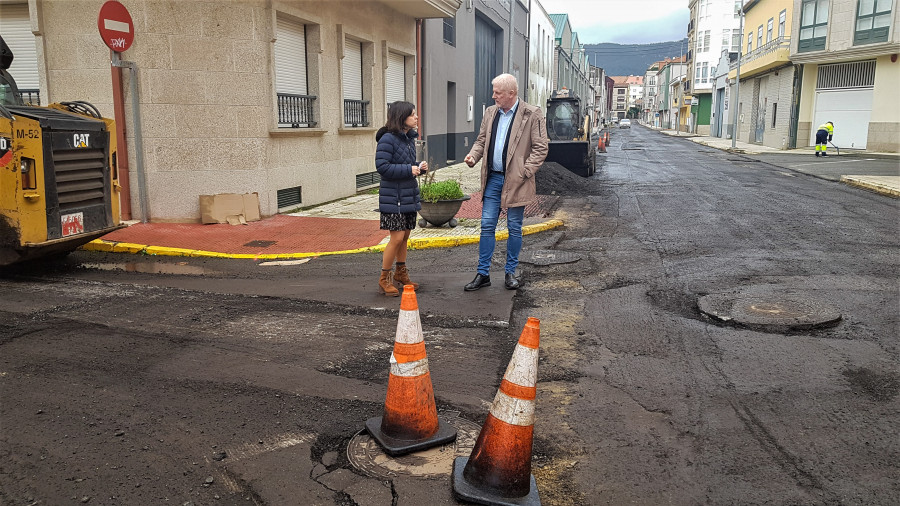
x=879, y=183
x=349, y=225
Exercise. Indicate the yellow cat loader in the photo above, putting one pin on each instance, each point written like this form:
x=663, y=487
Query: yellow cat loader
x=58, y=183
x=569, y=130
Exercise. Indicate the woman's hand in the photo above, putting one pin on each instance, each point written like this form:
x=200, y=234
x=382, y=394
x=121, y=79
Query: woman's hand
x=423, y=167
x=415, y=170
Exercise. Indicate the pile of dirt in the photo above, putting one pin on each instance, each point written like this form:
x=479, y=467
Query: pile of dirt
x=554, y=179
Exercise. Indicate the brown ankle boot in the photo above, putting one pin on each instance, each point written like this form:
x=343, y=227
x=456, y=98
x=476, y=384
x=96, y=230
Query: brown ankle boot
x=401, y=275
x=386, y=283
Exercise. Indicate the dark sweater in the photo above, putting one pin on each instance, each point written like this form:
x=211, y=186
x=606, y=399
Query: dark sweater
x=394, y=158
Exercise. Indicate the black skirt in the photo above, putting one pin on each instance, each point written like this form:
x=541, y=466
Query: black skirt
x=396, y=222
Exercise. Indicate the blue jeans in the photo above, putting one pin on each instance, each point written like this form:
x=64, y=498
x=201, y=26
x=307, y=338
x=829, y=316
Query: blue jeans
x=490, y=213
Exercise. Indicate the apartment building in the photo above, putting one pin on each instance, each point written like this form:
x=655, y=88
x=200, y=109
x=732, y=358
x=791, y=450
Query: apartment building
x=541, y=35
x=277, y=97
x=461, y=55
x=769, y=84
x=570, y=69
x=670, y=73
x=846, y=52
x=714, y=24
x=619, y=97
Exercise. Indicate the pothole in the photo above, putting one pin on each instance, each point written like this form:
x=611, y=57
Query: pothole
x=772, y=312
x=366, y=455
x=549, y=257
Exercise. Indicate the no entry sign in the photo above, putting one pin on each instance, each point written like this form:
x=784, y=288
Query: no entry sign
x=116, y=27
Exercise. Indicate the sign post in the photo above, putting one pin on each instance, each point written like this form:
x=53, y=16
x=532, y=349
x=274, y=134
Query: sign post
x=117, y=31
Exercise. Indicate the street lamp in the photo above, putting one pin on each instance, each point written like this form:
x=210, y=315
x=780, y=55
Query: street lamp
x=737, y=86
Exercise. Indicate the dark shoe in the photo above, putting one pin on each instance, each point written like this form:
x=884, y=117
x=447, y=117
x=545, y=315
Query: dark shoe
x=479, y=281
x=817, y=153
x=824, y=154
x=511, y=282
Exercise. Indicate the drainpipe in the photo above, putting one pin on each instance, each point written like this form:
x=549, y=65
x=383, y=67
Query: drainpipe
x=420, y=67
x=737, y=87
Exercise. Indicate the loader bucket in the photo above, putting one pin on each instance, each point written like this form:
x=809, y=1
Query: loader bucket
x=577, y=156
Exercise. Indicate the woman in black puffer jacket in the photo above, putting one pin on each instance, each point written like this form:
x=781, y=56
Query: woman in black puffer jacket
x=398, y=195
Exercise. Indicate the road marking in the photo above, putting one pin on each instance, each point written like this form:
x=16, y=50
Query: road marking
x=823, y=163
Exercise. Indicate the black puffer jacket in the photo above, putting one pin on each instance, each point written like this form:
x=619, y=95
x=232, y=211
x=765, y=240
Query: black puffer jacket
x=394, y=158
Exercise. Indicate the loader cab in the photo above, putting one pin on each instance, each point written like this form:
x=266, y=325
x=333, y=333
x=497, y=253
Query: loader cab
x=9, y=92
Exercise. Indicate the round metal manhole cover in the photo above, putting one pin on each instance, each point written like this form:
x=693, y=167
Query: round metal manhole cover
x=365, y=454
x=548, y=257
x=774, y=312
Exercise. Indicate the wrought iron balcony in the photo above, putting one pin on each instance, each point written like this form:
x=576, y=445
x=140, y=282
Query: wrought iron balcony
x=295, y=111
x=30, y=96
x=356, y=113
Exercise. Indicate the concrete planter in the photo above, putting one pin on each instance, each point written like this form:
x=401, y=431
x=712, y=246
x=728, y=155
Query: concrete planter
x=441, y=212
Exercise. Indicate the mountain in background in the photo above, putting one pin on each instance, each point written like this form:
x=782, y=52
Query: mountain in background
x=632, y=59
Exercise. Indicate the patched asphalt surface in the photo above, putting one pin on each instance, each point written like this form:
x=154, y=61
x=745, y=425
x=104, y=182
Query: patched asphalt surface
x=236, y=384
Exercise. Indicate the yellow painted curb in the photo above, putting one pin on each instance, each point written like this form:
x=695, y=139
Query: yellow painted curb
x=420, y=243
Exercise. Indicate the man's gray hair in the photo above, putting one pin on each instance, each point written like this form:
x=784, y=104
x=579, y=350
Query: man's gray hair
x=506, y=82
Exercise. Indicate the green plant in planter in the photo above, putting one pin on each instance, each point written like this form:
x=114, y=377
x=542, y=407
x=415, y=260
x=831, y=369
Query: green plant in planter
x=433, y=191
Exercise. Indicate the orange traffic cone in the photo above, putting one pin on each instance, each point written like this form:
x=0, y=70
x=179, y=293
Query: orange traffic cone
x=410, y=422
x=601, y=146
x=499, y=469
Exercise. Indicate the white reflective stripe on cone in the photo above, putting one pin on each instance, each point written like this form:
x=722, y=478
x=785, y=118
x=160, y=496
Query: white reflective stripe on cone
x=409, y=327
x=512, y=410
x=409, y=369
x=522, y=369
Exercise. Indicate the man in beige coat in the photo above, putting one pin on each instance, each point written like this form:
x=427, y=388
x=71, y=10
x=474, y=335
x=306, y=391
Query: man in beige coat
x=512, y=145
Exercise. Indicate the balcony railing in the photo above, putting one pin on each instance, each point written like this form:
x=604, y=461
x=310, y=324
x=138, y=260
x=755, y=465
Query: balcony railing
x=295, y=111
x=356, y=113
x=31, y=96
x=771, y=47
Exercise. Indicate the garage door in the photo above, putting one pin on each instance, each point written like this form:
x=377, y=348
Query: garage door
x=844, y=96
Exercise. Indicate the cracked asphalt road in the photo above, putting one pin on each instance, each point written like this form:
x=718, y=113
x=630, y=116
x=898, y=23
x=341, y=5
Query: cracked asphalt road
x=235, y=384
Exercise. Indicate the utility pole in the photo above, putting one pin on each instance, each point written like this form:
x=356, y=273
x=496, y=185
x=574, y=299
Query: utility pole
x=737, y=85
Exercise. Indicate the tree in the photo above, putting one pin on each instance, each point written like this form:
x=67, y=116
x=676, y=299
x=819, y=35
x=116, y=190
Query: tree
x=633, y=112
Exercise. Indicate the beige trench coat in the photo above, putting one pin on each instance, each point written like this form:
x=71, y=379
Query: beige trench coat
x=525, y=152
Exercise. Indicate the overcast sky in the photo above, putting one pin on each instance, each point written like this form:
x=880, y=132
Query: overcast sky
x=624, y=21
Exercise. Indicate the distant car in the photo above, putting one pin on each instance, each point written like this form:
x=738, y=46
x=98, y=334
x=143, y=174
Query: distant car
x=625, y=123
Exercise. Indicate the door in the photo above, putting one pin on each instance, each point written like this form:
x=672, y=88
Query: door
x=720, y=112
x=485, y=66
x=850, y=111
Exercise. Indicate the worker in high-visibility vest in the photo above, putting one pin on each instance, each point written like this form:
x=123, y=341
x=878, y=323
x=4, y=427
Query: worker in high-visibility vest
x=823, y=135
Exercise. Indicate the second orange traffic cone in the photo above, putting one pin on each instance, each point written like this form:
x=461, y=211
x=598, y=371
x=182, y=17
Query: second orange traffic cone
x=499, y=469
x=410, y=422
x=601, y=146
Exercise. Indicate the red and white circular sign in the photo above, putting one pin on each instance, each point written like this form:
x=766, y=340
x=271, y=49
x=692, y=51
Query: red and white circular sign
x=116, y=27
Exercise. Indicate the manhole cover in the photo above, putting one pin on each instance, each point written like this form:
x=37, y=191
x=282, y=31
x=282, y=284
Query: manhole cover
x=365, y=454
x=548, y=257
x=260, y=244
x=773, y=312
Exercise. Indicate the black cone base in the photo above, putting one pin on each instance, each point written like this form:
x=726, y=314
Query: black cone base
x=464, y=490
x=394, y=447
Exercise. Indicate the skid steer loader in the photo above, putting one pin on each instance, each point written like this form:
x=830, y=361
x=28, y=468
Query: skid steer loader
x=569, y=129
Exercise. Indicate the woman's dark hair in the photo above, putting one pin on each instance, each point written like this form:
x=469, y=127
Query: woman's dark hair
x=397, y=114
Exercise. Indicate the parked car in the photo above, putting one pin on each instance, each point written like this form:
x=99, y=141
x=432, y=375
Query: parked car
x=625, y=123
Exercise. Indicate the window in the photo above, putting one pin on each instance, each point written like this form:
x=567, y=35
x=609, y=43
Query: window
x=813, y=25
x=873, y=21
x=769, y=29
x=726, y=38
x=621, y=91
x=774, y=113
x=295, y=103
x=749, y=42
x=736, y=42
x=356, y=110
x=759, y=39
x=450, y=31
x=737, y=8
x=782, y=19
x=395, y=78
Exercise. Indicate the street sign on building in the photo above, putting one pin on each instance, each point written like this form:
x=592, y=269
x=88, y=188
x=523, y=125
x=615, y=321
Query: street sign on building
x=116, y=26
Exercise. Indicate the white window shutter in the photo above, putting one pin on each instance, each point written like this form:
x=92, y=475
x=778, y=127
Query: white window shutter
x=395, y=78
x=290, y=57
x=351, y=67
x=15, y=26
